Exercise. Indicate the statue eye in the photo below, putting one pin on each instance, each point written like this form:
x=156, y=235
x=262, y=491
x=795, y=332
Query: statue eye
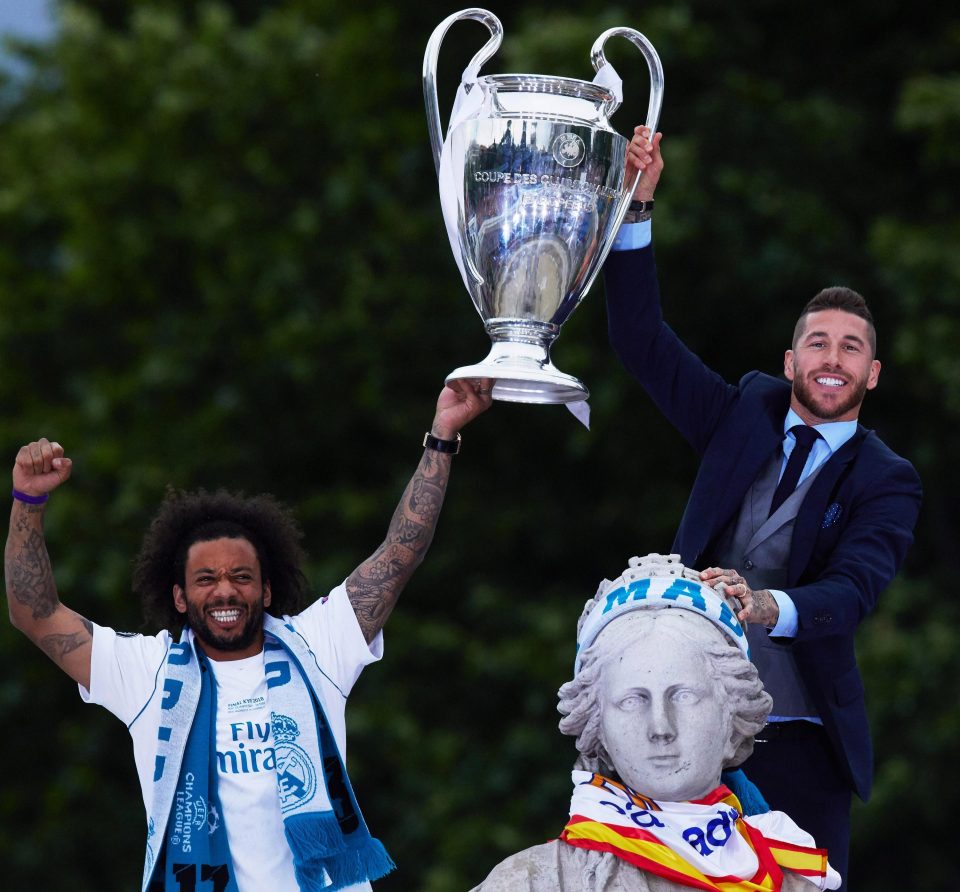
x=685, y=697
x=632, y=702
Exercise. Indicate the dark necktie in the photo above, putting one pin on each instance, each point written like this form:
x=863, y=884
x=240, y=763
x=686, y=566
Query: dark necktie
x=806, y=437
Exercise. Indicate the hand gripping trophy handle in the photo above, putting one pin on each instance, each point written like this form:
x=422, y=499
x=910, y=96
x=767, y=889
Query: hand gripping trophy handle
x=532, y=189
x=599, y=60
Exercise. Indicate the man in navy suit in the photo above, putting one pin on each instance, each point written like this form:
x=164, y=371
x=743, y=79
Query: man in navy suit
x=806, y=546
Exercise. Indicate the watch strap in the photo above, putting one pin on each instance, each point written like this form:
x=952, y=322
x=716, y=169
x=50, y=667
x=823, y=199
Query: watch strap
x=449, y=447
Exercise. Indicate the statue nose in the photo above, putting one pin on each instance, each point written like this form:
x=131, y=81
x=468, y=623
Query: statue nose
x=662, y=727
x=663, y=736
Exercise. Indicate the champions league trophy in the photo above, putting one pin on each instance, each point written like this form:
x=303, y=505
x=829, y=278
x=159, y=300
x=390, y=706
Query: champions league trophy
x=532, y=190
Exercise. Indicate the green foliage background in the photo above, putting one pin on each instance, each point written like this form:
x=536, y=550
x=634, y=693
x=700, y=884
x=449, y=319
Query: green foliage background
x=222, y=262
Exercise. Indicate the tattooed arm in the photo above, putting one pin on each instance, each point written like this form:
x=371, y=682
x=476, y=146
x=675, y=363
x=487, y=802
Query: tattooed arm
x=32, y=598
x=376, y=584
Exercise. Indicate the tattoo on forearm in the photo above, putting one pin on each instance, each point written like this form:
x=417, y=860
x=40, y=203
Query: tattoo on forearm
x=376, y=584
x=29, y=574
x=408, y=532
x=425, y=500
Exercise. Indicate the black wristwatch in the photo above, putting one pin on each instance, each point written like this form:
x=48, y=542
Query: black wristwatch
x=450, y=447
x=642, y=208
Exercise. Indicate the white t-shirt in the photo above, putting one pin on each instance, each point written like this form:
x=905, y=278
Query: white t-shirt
x=125, y=677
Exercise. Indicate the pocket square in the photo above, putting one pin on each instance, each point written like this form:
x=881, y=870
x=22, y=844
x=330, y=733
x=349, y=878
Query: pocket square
x=831, y=515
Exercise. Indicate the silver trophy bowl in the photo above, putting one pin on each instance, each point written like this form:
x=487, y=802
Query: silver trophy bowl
x=532, y=189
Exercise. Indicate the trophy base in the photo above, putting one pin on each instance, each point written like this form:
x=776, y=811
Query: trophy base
x=523, y=373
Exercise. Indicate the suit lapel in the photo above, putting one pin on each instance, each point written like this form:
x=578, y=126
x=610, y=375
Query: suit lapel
x=764, y=437
x=816, y=502
x=765, y=526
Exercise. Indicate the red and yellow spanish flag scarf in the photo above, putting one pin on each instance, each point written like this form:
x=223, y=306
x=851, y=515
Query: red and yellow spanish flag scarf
x=704, y=844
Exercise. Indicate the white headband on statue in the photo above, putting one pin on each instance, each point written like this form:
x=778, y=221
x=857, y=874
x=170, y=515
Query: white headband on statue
x=657, y=582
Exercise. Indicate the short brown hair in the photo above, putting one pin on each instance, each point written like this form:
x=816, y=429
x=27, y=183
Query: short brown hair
x=837, y=297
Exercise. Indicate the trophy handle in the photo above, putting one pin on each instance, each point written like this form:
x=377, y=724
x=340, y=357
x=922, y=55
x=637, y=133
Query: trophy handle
x=430, y=67
x=598, y=59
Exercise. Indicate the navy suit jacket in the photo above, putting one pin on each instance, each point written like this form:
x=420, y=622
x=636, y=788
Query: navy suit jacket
x=853, y=528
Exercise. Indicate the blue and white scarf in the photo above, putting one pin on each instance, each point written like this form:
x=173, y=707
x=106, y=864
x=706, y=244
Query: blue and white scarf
x=324, y=828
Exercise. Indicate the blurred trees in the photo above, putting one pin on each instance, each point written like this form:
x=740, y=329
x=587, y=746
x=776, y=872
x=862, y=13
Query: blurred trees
x=222, y=262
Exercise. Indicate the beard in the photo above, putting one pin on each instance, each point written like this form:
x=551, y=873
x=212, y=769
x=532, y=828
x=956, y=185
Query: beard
x=197, y=621
x=856, y=390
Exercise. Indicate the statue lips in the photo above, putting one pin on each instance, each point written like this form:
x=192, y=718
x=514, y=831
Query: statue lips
x=664, y=760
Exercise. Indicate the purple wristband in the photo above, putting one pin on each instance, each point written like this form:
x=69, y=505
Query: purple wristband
x=29, y=499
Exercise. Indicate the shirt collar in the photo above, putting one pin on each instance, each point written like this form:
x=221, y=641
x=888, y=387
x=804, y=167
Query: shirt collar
x=834, y=433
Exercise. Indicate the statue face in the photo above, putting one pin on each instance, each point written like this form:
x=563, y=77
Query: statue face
x=662, y=720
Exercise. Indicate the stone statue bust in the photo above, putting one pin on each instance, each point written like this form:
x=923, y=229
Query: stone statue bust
x=664, y=697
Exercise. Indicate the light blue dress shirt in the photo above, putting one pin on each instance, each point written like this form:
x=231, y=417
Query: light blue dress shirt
x=833, y=435
x=631, y=236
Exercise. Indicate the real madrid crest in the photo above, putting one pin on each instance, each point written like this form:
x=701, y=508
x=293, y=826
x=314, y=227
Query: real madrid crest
x=296, y=775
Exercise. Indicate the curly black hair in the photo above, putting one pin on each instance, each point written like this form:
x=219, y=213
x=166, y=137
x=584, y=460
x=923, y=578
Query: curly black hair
x=188, y=517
